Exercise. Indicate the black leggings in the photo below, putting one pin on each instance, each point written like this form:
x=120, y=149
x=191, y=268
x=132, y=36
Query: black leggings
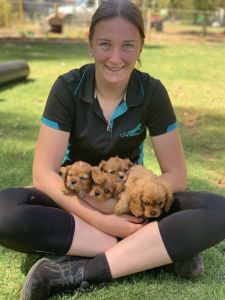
x=31, y=222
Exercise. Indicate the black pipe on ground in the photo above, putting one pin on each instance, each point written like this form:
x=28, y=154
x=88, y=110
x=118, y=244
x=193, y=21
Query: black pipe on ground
x=13, y=71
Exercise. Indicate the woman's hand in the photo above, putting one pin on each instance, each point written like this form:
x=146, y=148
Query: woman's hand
x=120, y=226
x=106, y=207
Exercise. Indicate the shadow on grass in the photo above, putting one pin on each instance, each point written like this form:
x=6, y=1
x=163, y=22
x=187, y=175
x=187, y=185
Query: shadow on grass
x=32, y=50
x=27, y=262
x=13, y=84
x=202, y=130
x=149, y=46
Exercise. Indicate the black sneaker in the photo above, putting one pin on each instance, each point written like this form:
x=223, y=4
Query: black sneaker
x=50, y=276
x=191, y=268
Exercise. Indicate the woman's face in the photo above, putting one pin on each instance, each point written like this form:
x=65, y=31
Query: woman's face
x=116, y=46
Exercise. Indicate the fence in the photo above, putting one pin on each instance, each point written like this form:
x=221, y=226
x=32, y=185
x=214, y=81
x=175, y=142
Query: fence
x=28, y=12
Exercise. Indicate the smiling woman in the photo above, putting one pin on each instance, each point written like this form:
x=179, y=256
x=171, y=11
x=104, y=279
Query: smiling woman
x=93, y=113
x=116, y=45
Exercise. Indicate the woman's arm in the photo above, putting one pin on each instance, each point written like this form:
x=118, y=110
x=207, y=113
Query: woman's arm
x=170, y=155
x=50, y=149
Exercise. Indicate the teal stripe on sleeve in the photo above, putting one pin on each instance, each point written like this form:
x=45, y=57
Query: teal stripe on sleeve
x=171, y=127
x=49, y=123
x=141, y=155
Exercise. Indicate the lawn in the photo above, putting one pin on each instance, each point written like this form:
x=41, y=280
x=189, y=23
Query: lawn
x=194, y=76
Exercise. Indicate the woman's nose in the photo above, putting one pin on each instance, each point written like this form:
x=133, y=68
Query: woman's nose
x=115, y=55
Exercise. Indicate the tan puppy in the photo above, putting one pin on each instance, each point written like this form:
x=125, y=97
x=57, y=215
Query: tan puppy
x=145, y=195
x=105, y=185
x=77, y=178
x=116, y=166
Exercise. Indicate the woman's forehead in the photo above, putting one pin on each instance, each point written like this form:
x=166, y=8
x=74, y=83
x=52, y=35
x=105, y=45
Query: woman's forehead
x=116, y=28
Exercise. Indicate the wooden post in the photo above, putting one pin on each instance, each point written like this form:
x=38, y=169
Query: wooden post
x=6, y=13
x=21, y=12
x=204, y=24
x=148, y=24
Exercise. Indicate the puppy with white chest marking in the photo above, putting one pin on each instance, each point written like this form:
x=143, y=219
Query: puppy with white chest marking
x=77, y=178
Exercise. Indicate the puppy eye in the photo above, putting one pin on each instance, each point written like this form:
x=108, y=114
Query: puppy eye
x=126, y=170
x=112, y=172
x=146, y=203
x=84, y=178
x=107, y=191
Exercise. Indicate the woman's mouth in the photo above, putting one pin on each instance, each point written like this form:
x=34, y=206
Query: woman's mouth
x=114, y=69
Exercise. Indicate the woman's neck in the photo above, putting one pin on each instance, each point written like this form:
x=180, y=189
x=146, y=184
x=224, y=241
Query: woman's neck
x=109, y=92
x=109, y=98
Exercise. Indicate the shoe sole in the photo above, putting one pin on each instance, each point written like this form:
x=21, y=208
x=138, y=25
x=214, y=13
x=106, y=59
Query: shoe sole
x=24, y=295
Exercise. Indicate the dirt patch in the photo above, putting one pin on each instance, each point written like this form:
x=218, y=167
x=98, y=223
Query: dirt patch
x=190, y=120
x=218, y=178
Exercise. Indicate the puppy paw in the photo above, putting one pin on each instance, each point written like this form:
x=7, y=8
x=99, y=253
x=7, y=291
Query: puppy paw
x=122, y=206
x=66, y=192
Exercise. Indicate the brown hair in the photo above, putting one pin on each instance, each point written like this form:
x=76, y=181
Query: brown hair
x=118, y=8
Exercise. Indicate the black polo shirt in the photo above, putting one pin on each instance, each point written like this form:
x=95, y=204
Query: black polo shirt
x=72, y=107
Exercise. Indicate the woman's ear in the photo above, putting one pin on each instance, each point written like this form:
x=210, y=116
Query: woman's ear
x=91, y=49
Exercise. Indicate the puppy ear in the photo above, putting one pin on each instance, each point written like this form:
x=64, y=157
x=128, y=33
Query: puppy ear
x=97, y=175
x=101, y=165
x=63, y=171
x=169, y=195
x=129, y=162
x=136, y=207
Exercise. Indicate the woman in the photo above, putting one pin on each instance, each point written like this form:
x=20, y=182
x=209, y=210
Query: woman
x=90, y=115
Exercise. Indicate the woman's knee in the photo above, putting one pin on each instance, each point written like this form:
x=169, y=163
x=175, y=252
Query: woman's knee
x=196, y=200
x=198, y=225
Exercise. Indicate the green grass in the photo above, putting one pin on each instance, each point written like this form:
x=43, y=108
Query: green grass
x=194, y=77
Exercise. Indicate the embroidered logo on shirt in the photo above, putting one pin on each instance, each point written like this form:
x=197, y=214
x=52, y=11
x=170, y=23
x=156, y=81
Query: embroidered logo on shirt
x=133, y=132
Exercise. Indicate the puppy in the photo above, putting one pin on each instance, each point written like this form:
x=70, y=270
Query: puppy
x=77, y=178
x=117, y=167
x=105, y=185
x=145, y=195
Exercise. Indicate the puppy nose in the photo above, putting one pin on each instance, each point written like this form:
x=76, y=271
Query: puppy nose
x=73, y=182
x=153, y=213
x=121, y=177
x=97, y=193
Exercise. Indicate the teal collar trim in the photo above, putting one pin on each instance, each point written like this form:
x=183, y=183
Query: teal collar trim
x=120, y=110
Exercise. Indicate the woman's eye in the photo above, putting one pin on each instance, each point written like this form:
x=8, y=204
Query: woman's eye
x=104, y=45
x=128, y=46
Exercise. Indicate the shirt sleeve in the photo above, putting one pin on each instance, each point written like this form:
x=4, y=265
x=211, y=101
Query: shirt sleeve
x=59, y=108
x=161, y=117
